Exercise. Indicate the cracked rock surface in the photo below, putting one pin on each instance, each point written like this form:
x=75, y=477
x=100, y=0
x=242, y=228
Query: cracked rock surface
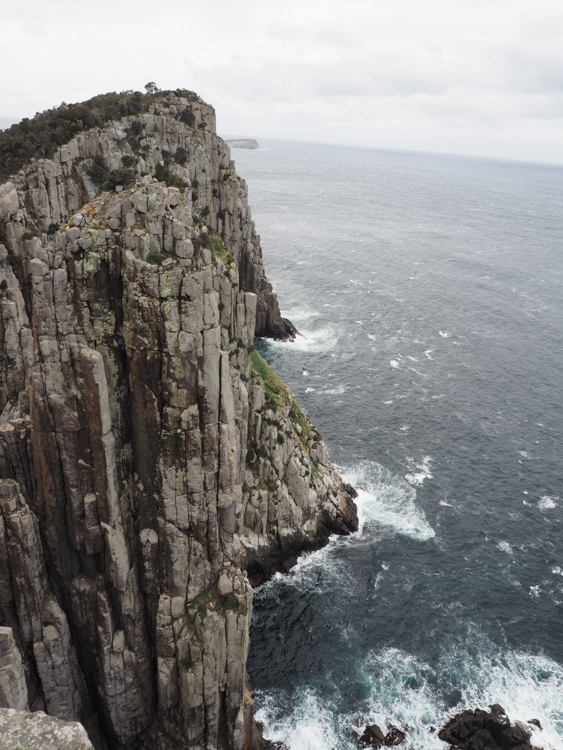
x=152, y=467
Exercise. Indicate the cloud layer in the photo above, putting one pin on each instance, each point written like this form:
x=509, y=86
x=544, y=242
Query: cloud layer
x=478, y=77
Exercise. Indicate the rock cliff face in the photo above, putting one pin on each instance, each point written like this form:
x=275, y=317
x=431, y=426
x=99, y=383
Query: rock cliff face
x=150, y=461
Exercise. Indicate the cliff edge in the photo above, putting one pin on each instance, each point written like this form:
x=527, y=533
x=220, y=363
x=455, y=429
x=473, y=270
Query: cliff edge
x=151, y=463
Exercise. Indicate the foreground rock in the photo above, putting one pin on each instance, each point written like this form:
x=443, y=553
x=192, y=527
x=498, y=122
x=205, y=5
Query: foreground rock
x=243, y=143
x=149, y=459
x=486, y=730
x=373, y=736
x=37, y=731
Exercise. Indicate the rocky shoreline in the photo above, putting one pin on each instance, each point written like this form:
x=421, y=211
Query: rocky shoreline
x=468, y=730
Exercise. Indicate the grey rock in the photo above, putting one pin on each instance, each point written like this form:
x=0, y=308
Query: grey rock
x=130, y=408
x=37, y=731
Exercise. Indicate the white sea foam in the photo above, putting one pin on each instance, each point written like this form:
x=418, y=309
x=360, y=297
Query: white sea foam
x=387, y=501
x=394, y=364
x=445, y=334
x=300, y=314
x=401, y=691
x=505, y=547
x=310, y=725
x=547, y=503
x=337, y=391
x=419, y=471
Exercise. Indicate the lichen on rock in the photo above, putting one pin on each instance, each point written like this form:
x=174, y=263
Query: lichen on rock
x=150, y=462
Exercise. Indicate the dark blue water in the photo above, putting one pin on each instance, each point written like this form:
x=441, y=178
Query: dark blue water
x=429, y=291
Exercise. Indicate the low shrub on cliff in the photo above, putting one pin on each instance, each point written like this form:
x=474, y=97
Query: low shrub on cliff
x=163, y=174
x=273, y=384
x=122, y=176
x=218, y=250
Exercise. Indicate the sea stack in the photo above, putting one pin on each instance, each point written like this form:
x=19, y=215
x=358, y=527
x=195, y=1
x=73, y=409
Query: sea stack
x=152, y=465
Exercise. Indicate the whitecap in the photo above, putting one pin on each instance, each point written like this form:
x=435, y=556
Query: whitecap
x=428, y=352
x=309, y=390
x=505, y=547
x=394, y=364
x=336, y=391
x=547, y=503
x=387, y=501
x=318, y=341
x=310, y=724
x=418, y=471
x=445, y=334
x=300, y=314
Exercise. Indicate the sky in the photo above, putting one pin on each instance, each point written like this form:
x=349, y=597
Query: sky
x=473, y=77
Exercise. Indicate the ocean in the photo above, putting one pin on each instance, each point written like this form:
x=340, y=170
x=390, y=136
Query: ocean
x=428, y=291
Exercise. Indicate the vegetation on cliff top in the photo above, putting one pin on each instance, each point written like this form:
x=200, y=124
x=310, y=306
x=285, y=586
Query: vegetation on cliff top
x=41, y=135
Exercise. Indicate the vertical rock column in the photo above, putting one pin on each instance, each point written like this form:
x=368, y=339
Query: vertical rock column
x=42, y=623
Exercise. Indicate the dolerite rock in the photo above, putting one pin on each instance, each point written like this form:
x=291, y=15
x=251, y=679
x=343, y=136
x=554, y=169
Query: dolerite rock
x=485, y=730
x=148, y=460
x=37, y=731
x=372, y=736
x=394, y=736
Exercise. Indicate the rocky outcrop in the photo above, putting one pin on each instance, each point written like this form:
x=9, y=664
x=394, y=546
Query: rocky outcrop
x=486, y=730
x=37, y=731
x=150, y=461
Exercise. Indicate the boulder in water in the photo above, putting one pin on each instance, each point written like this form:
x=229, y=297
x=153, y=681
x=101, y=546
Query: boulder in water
x=485, y=730
x=372, y=736
x=394, y=737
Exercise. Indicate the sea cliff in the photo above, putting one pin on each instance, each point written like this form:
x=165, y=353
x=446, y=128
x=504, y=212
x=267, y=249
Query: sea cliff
x=152, y=465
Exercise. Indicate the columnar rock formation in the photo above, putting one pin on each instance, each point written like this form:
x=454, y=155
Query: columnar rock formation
x=149, y=459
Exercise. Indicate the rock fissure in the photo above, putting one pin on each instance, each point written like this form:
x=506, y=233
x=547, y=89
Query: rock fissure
x=152, y=466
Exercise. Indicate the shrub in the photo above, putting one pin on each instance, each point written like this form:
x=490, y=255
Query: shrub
x=3, y=285
x=27, y=236
x=53, y=229
x=136, y=127
x=188, y=117
x=155, y=257
x=218, y=250
x=181, y=155
x=129, y=161
x=163, y=174
x=99, y=170
x=122, y=176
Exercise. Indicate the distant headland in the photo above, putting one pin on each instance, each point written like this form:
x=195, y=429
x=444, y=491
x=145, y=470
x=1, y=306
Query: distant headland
x=243, y=143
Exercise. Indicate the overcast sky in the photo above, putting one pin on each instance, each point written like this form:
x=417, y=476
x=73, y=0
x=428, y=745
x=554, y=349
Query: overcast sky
x=482, y=77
